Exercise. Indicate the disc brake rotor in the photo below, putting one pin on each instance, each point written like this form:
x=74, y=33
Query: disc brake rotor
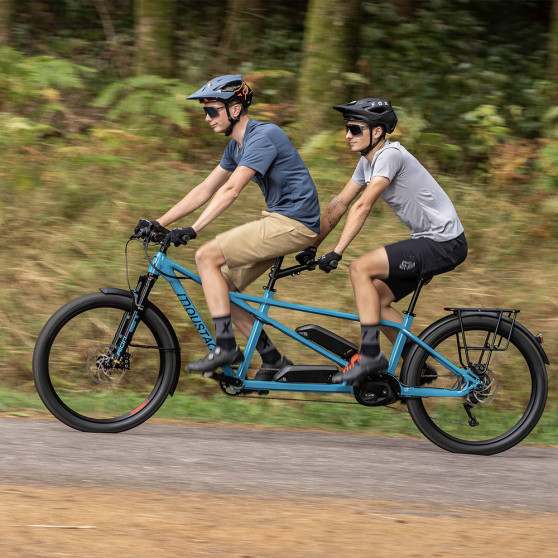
x=101, y=367
x=485, y=394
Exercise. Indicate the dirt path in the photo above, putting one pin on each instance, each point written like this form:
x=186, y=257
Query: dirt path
x=41, y=522
x=194, y=491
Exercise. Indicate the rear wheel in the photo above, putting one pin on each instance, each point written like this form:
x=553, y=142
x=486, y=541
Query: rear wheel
x=506, y=408
x=77, y=378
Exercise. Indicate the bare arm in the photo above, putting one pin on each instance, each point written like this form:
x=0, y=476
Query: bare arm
x=225, y=196
x=360, y=211
x=196, y=197
x=336, y=208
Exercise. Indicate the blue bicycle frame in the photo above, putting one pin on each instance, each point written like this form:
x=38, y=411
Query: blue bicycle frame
x=162, y=265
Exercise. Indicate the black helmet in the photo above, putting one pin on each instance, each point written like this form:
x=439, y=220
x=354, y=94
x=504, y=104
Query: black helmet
x=373, y=111
x=225, y=88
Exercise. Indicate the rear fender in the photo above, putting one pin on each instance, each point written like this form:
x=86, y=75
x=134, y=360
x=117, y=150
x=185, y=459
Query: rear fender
x=442, y=321
x=519, y=326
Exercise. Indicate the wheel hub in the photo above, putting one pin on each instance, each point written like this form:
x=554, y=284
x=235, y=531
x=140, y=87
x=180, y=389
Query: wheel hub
x=487, y=392
x=102, y=367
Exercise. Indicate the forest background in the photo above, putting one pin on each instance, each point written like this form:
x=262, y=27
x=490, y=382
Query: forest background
x=95, y=133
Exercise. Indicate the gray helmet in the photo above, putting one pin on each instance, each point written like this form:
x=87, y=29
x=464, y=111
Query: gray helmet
x=225, y=88
x=372, y=111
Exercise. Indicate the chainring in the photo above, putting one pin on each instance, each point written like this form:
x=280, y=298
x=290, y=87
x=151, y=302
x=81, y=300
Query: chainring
x=377, y=392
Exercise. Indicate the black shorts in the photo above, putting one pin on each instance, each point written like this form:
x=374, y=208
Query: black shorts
x=421, y=257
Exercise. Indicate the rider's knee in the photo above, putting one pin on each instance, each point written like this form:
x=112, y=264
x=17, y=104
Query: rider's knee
x=202, y=255
x=209, y=255
x=355, y=268
x=360, y=267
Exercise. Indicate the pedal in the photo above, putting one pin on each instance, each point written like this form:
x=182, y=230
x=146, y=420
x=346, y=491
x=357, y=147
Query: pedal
x=329, y=340
x=306, y=374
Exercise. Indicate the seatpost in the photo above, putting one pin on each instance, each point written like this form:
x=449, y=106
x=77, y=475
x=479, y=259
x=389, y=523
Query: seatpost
x=414, y=299
x=274, y=274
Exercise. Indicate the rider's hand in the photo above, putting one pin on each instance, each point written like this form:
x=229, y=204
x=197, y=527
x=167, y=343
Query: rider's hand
x=179, y=236
x=146, y=228
x=307, y=255
x=329, y=261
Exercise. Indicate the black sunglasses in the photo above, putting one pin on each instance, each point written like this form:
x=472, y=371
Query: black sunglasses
x=355, y=129
x=212, y=112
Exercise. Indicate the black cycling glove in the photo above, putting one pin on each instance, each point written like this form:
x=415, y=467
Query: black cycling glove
x=145, y=228
x=329, y=261
x=179, y=236
x=307, y=255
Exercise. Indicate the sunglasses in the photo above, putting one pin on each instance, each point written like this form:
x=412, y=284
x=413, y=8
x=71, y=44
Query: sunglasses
x=212, y=112
x=355, y=129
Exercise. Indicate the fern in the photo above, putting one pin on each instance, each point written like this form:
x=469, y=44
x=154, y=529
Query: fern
x=149, y=104
x=34, y=84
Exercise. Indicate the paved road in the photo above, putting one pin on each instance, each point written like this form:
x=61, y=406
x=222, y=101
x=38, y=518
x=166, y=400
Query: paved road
x=242, y=461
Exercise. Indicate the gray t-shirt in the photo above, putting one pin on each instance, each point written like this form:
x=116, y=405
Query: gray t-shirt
x=413, y=194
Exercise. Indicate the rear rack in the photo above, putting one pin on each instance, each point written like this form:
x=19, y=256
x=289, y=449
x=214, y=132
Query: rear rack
x=493, y=341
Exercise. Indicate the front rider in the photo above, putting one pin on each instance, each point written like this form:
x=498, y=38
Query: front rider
x=385, y=275
x=258, y=152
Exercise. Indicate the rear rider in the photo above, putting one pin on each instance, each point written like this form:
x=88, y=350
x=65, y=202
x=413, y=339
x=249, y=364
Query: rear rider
x=388, y=171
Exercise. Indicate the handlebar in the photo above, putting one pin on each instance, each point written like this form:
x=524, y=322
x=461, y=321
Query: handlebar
x=297, y=269
x=151, y=237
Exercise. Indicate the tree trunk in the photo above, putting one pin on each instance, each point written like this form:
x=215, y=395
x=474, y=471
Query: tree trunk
x=6, y=10
x=154, y=29
x=242, y=28
x=404, y=8
x=553, y=51
x=330, y=34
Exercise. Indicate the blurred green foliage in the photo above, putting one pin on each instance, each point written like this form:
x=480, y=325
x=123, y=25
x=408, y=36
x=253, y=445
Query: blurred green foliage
x=150, y=104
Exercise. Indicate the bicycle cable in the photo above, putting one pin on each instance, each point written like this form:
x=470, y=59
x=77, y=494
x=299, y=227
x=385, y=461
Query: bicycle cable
x=150, y=262
x=146, y=244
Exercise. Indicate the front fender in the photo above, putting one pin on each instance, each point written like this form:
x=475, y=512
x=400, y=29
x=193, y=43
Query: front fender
x=160, y=314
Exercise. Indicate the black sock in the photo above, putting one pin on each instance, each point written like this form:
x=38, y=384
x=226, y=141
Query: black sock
x=267, y=349
x=370, y=343
x=224, y=336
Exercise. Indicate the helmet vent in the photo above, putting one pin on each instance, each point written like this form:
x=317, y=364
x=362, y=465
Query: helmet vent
x=232, y=86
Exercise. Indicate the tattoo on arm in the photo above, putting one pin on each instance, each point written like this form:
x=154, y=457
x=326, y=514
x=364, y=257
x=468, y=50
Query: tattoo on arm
x=332, y=219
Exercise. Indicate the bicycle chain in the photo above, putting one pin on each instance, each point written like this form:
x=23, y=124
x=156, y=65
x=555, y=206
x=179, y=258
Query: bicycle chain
x=305, y=400
x=391, y=407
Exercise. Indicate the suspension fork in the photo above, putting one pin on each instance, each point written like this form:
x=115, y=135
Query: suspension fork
x=125, y=331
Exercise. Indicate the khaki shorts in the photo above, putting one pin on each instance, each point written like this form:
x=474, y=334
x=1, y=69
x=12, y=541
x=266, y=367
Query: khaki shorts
x=252, y=248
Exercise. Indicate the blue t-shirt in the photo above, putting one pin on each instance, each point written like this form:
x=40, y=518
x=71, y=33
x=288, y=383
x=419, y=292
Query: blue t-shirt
x=281, y=173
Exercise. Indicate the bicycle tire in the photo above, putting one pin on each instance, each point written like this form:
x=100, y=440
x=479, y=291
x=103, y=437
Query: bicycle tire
x=508, y=409
x=93, y=398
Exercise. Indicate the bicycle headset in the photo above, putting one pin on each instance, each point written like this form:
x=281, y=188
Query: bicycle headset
x=228, y=89
x=373, y=112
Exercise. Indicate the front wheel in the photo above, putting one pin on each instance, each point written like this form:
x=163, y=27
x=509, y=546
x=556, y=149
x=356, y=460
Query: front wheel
x=494, y=418
x=79, y=382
